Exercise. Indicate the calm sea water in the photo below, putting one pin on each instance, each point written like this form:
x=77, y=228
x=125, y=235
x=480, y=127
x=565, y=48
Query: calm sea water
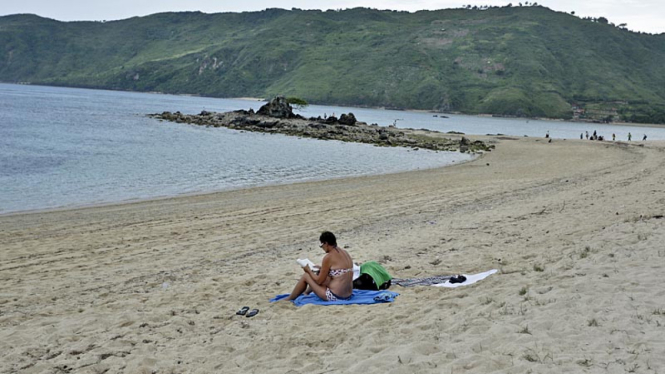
x=490, y=125
x=63, y=147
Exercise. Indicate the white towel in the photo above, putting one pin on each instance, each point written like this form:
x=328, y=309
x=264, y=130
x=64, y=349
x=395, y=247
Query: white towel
x=356, y=271
x=470, y=279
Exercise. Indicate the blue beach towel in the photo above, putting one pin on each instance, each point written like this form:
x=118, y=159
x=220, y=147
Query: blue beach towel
x=359, y=297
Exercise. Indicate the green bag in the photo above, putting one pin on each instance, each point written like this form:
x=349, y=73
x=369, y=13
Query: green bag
x=372, y=276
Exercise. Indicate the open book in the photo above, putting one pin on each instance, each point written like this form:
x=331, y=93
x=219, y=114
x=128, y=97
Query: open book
x=305, y=261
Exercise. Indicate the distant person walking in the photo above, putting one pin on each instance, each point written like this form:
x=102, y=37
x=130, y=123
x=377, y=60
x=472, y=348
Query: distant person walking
x=614, y=137
x=581, y=136
x=630, y=136
x=587, y=135
x=644, y=139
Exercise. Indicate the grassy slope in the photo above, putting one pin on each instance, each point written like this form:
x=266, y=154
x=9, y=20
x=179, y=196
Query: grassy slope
x=512, y=61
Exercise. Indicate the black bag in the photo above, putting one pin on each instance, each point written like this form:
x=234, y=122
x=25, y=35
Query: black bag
x=366, y=282
x=457, y=279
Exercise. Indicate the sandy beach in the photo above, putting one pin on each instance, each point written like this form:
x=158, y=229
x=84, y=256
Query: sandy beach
x=575, y=228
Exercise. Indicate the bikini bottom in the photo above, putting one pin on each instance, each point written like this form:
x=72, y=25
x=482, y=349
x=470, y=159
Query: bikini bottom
x=332, y=297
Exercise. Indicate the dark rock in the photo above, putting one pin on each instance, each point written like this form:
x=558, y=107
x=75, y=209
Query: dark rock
x=277, y=108
x=464, y=141
x=347, y=119
x=267, y=125
x=250, y=122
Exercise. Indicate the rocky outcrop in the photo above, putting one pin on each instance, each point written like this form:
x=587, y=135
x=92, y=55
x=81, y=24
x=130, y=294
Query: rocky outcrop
x=347, y=119
x=277, y=108
x=278, y=117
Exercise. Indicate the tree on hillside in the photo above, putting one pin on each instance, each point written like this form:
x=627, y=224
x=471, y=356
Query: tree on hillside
x=603, y=20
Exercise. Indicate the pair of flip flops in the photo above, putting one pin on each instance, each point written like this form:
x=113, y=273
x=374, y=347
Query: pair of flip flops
x=243, y=312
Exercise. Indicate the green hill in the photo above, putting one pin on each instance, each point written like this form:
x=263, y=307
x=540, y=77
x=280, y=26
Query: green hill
x=528, y=61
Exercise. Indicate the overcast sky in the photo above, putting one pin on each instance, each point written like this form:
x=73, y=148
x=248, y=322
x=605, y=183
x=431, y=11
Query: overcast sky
x=640, y=15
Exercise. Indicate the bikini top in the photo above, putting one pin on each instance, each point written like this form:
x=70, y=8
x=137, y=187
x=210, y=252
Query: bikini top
x=337, y=272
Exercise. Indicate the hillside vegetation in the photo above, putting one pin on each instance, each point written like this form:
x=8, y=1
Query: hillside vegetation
x=524, y=61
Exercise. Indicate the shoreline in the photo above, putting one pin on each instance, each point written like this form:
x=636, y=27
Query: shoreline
x=132, y=201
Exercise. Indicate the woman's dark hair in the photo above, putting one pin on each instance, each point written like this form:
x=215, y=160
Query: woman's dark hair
x=328, y=237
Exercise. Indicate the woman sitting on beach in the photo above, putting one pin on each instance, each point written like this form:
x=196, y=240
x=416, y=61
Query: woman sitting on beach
x=334, y=280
